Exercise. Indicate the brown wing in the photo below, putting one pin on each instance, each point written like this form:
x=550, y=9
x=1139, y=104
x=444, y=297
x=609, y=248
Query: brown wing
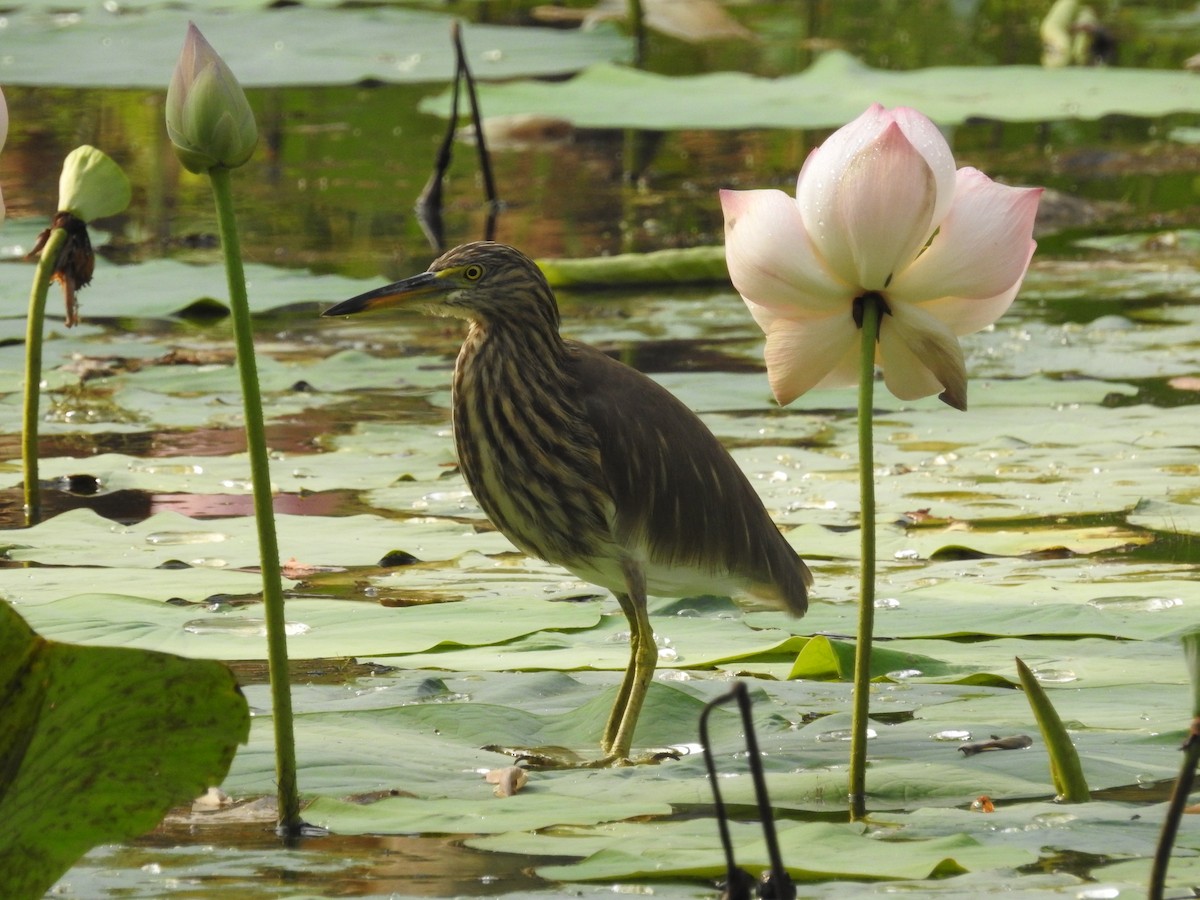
x=676, y=488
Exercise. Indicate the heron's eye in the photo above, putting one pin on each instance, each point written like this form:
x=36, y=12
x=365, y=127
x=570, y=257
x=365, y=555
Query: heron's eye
x=473, y=272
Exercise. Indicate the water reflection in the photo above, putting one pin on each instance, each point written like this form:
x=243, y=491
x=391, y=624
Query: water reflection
x=233, y=860
x=334, y=188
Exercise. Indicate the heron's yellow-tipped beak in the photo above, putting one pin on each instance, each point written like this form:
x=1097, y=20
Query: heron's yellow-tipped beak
x=418, y=287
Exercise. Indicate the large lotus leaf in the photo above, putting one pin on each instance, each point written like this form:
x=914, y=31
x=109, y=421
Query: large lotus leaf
x=1062, y=664
x=46, y=584
x=686, y=641
x=421, y=735
x=834, y=90
x=136, y=410
x=1100, y=827
x=1064, y=608
x=1110, y=285
x=339, y=372
x=810, y=850
x=420, y=454
x=426, y=736
x=822, y=658
x=1183, y=872
x=522, y=812
x=166, y=536
x=292, y=45
x=317, y=628
x=97, y=743
x=159, y=288
x=1171, y=518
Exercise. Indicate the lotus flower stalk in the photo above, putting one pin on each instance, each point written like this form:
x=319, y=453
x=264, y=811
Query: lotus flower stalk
x=212, y=128
x=91, y=186
x=885, y=256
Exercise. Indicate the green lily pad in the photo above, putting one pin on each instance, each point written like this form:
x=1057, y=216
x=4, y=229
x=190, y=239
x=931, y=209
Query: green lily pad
x=160, y=288
x=232, y=542
x=823, y=658
x=486, y=815
x=811, y=851
x=317, y=628
x=294, y=45
x=834, y=90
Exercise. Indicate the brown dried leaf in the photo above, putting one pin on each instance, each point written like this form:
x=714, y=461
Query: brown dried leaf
x=507, y=781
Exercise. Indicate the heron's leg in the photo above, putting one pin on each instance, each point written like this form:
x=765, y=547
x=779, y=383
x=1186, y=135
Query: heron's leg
x=644, y=658
x=618, y=710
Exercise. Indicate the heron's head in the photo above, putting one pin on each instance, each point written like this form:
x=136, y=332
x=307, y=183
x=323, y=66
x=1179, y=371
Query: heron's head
x=484, y=281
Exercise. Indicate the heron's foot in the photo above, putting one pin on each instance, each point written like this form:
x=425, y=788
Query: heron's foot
x=564, y=758
x=614, y=760
x=541, y=757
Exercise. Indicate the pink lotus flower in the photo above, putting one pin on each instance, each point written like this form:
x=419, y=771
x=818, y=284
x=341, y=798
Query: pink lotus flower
x=879, y=210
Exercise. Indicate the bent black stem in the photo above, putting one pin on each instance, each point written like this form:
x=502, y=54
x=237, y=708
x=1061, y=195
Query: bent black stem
x=429, y=202
x=1179, y=798
x=485, y=159
x=776, y=884
x=737, y=881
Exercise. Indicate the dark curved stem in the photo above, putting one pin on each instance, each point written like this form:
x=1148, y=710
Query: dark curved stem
x=737, y=882
x=1179, y=798
x=776, y=883
x=485, y=159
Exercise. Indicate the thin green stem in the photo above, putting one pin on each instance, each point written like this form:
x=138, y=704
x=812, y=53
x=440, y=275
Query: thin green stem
x=872, y=311
x=42, y=277
x=264, y=516
x=1179, y=799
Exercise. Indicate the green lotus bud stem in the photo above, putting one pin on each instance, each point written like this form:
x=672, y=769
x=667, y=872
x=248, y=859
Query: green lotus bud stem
x=92, y=186
x=209, y=119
